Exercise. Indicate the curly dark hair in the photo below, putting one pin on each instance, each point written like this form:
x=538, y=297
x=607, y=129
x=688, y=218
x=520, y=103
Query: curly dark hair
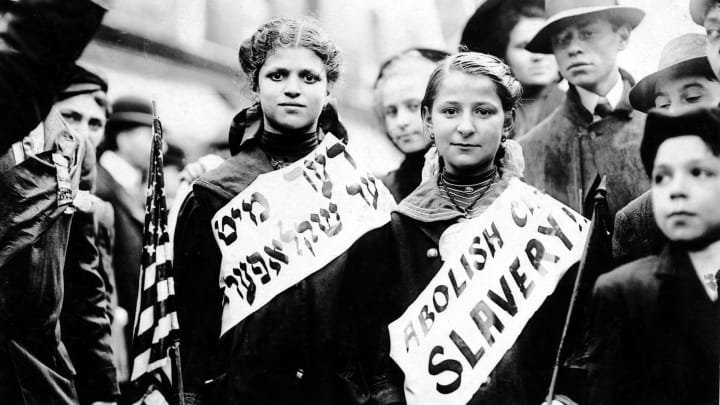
x=287, y=33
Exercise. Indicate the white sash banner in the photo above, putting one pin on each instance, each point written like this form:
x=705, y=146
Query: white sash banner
x=498, y=269
x=291, y=222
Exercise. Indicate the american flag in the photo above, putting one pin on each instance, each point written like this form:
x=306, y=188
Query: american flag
x=156, y=330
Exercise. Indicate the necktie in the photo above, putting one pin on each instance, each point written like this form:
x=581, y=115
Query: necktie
x=603, y=107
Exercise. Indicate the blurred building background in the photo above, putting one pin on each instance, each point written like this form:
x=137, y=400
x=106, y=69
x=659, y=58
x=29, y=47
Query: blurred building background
x=183, y=54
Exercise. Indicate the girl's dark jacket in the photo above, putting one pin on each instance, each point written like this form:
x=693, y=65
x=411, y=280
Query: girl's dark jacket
x=409, y=246
x=284, y=353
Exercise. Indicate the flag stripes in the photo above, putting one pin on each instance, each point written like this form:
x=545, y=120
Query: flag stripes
x=156, y=327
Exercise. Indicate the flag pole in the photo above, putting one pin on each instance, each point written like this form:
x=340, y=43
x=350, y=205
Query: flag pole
x=176, y=367
x=600, y=195
x=174, y=350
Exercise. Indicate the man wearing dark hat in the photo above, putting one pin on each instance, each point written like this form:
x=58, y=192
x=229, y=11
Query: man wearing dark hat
x=684, y=80
x=128, y=138
x=706, y=13
x=594, y=132
x=654, y=336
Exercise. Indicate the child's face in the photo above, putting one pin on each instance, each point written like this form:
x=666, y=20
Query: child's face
x=467, y=119
x=529, y=68
x=401, y=96
x=292, y=88
x=586, y=52
x=686, y=189
x=679, y=94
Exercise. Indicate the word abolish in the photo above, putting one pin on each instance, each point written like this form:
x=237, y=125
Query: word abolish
x=292, y=222
x=498, y=270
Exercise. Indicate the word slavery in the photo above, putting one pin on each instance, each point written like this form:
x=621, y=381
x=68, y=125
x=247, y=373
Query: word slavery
x=471, y=313
x=291, y=222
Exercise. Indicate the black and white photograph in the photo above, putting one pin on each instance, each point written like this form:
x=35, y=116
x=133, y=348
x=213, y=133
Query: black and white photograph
x=337, y=202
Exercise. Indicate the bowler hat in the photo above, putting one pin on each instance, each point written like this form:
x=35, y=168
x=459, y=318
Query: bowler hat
x=661, y=126
x=131, y=110
x=560, y=13
x=699, y=9
x=685, y=56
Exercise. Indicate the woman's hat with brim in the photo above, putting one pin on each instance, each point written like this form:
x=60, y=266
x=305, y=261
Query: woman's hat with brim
x=683, y=56
x=131, y=110
x=561, y=13
x=699, y=9
x=661, y=126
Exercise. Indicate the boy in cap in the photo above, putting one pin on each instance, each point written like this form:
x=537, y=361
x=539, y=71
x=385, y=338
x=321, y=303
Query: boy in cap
x=654, y=335
x=594, y=132
x=683, y=80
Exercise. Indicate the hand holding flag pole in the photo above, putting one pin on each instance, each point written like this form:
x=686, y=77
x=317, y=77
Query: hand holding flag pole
x=156, y=370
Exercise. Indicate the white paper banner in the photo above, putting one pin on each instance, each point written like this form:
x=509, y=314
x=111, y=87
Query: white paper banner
x=291, y=222
x=498, y=270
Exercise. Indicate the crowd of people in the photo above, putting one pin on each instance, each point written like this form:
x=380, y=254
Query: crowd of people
x=302, y=278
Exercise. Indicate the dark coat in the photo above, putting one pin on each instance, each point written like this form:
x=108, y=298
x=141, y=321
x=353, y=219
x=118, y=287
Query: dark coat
x=406, y=178
x=636, y=232
x=129, y=218
x=567, y=152
x=409, y=247
x=531, y=111
x=655, y=335
x=285, y=352
x=85, y=316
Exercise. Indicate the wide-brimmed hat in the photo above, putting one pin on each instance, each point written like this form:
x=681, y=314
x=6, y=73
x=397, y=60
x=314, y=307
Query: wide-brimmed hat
x=131, y=110
x=699, y=9
x=685, y=56
x=661, y=126
x=560, y=13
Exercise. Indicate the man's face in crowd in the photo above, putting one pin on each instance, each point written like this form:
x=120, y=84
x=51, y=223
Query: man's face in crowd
x=134, y=145
x=686, y=189
x=586, y=52
x=712, y=28
x=678, y=94
x=84, y=115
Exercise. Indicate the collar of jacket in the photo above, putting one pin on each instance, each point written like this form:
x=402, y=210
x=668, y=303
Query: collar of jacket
x=216, y=187
x=581, y=116
x=428, y=203
x=674, y=262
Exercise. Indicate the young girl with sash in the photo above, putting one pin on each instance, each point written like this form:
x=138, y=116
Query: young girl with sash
x=279, y=347
x=468, y=111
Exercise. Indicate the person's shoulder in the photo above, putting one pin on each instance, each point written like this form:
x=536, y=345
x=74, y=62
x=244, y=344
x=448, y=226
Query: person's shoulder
x=540, y=131
x=637, y=274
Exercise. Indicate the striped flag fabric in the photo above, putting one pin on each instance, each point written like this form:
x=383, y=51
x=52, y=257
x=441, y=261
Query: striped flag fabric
x=156, y=330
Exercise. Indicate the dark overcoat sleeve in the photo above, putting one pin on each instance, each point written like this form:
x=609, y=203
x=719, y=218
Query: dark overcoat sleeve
x=199, y=302
x=85, y=320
